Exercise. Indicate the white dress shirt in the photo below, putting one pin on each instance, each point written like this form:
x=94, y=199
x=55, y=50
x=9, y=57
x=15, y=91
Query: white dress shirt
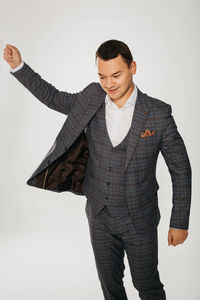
x=118, y=120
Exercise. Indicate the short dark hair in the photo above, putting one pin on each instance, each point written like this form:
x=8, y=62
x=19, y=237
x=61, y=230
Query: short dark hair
x=112, y=48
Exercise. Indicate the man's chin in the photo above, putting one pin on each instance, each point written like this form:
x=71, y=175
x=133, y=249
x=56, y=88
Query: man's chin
x=114, y=95
x=117, y=96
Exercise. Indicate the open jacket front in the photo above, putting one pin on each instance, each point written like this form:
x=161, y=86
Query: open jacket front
x=64, y=167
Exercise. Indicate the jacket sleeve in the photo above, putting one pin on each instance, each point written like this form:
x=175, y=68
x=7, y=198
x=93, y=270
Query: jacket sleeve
x=44, y=91
x=175, y=155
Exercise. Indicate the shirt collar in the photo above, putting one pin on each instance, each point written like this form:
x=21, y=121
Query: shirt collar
x=131, y=100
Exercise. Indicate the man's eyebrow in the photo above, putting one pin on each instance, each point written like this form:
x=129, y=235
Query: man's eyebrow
x=111, y=74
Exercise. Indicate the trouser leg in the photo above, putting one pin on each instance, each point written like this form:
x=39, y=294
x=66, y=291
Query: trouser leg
x=109, y=258
x=142, y=254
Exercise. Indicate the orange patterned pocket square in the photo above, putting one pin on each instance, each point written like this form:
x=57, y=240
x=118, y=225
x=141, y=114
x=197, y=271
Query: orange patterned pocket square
x=147, y=133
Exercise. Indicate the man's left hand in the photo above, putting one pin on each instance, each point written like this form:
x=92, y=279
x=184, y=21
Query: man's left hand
x=176, y=236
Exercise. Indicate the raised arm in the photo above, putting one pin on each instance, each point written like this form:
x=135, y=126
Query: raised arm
x=45, y=92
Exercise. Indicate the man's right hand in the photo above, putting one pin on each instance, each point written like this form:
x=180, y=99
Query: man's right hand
x=12, y=56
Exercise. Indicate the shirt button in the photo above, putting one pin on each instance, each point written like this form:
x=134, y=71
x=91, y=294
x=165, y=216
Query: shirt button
x=106, y=197
x=108, y=183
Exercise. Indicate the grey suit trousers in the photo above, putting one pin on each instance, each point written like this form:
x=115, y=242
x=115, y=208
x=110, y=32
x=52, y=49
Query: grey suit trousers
x=110, y=239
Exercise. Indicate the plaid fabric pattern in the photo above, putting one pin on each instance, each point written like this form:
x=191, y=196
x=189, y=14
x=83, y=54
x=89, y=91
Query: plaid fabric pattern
x=142, y=152
x=107, y=172
x=109, y=249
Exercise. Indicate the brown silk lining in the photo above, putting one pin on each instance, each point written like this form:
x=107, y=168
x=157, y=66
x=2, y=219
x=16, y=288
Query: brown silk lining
x=68, y=171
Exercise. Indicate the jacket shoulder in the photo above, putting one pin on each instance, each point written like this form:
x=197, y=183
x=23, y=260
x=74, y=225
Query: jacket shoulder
x=157, y=104
x=93, y=88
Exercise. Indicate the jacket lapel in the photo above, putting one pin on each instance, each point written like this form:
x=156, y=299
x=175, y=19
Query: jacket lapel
x=140, y=116
x=90, y=110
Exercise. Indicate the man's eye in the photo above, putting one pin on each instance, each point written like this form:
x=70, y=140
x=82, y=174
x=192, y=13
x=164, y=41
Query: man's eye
x=116, y=76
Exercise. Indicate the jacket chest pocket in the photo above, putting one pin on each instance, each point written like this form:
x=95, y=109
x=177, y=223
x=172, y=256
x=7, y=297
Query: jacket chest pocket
x=148, y=140
x=148, y=144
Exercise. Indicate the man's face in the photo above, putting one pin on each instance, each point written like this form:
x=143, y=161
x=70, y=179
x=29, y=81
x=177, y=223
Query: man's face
x=116, y=77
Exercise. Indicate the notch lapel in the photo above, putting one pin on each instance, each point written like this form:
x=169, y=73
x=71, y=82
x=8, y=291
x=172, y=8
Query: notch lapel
x=90, y=110
x=140, y=116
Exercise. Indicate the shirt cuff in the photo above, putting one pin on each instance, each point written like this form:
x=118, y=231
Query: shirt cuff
x=13, y=70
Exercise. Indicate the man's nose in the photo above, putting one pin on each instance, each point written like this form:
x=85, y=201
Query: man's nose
x=109, y=83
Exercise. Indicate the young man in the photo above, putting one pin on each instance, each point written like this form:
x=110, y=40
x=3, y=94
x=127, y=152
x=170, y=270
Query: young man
x=110, y=155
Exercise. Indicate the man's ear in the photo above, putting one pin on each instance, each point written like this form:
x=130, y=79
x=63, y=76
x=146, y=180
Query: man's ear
x=133, y=67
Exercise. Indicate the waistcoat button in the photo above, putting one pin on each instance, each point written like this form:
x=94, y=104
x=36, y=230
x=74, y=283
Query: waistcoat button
x=108, y=183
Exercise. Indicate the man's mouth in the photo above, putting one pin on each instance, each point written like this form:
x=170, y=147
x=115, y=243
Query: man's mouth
x=113, y=91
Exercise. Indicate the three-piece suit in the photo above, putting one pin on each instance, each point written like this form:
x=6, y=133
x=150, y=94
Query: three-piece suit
x=119, y=182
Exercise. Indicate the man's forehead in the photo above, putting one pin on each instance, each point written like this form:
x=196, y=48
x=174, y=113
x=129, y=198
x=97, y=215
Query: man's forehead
x=109, y=67
x=116, y=72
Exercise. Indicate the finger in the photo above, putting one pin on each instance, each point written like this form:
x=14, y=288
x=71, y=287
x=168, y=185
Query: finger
x=7, y=48
x=7, y=58
x=10, y=46
x=8, y=53
x=169, y=239
x=175, y=242
x=10, y=49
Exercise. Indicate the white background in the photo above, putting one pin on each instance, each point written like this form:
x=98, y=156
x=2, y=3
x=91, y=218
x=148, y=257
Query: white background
x=45, y=250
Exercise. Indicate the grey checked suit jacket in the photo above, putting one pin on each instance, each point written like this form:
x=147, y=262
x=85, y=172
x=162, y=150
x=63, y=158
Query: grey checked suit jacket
x=64, y=166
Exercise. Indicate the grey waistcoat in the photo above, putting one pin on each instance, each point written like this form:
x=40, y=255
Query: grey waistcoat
x=104, y=182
